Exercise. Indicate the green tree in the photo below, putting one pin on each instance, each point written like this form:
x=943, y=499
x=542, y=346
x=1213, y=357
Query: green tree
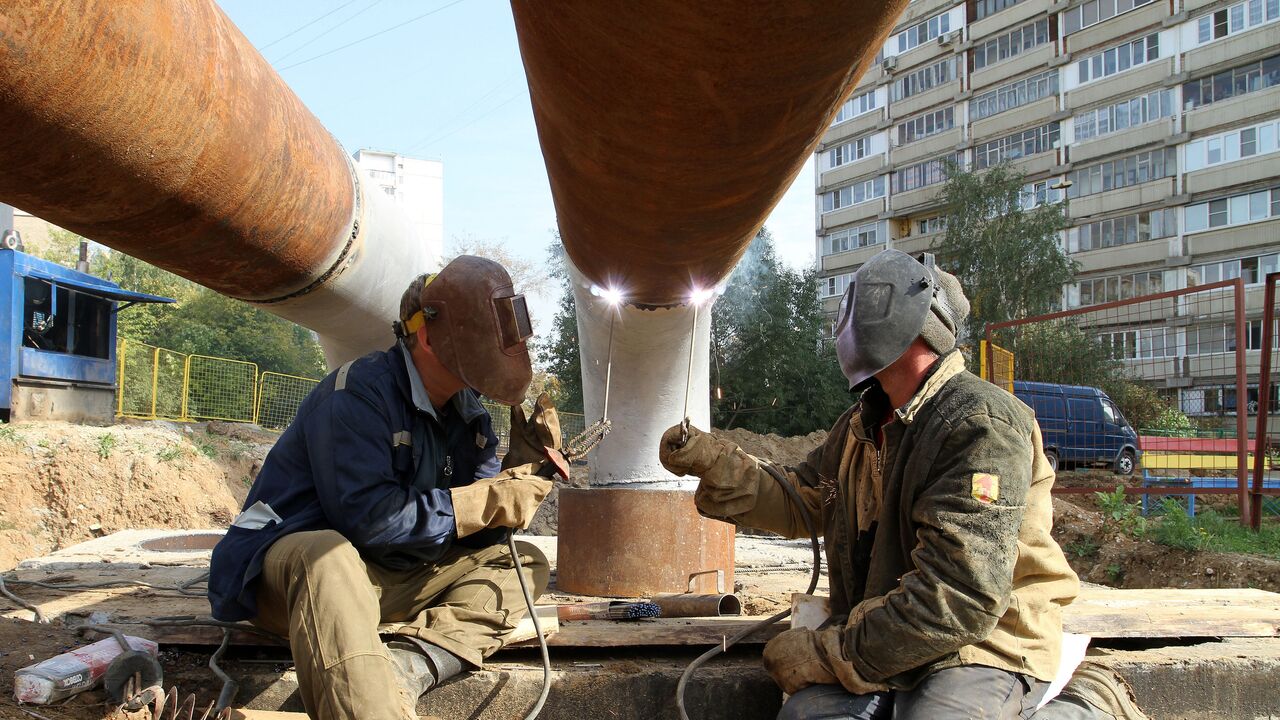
x=1007, y=258
x=561, y=353
x=771, y=372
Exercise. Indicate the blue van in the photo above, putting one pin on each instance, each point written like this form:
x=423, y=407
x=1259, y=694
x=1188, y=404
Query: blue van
x=1081, y=426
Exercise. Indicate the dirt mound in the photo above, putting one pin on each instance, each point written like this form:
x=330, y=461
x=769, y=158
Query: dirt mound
x=1107, y=557
x=64, y=483
x=783, y=450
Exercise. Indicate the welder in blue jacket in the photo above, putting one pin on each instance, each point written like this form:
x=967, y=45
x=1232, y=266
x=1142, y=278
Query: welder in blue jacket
x=382, y=510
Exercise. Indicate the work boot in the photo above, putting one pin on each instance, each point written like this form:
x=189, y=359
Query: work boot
x=1104, y=691
x=420, y=665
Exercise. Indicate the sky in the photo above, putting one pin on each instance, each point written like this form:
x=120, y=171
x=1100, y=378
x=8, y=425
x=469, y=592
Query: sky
x=446, y=83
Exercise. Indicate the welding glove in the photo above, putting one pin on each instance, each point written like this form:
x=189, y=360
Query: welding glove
x=530, y=438
x=508, y=500
x=728, y=477
x=801, y=657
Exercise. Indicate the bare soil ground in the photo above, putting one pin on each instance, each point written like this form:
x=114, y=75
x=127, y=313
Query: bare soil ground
x=64, y=483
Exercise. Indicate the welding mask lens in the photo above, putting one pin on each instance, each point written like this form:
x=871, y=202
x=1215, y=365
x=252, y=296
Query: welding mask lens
x=513, y=315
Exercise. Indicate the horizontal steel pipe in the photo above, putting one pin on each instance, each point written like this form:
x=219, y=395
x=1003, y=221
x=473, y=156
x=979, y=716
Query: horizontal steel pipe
x=692, y=605
x=156, y=128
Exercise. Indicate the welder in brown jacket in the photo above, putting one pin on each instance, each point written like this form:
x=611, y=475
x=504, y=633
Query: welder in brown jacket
x=932, y=494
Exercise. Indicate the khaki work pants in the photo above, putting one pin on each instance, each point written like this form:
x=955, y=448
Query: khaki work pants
x=332, y=605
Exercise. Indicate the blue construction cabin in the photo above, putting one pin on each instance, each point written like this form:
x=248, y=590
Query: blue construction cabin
x=59, y=361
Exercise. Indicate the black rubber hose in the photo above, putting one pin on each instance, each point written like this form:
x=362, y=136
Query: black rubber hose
x=813, y=584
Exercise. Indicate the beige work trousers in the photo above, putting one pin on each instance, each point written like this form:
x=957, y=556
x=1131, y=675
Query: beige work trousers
x=332, y=605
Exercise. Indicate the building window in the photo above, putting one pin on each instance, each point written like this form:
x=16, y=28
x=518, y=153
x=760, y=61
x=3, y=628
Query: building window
x=1120, y=58
x=918, y=81
x=853, y=194
x=1231, y=146
x=1253, y=269
x=1096, y=11
x=921, y=33
x=1014, y=94
x=849, y=152
x=855, y=106
x=1095, y=291
x=925, y=125
x=1236, y=18
x=852, y=239
x=1018, y=145
x=835, y=285
x=1142, y=344
x=1124, y=115
x=1123, y=230
x=1039, y=193
x=1123, y=172
x=1234, y=210
x=1010, y=44
x=935, y=224
x=1231, y=83
x=986, y=8
x=929, y=172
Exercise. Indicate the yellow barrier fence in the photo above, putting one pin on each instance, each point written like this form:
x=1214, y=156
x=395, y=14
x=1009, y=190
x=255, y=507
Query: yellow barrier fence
x=219, y=389
x=279, y=396
x=151, y=381
x=995, y=364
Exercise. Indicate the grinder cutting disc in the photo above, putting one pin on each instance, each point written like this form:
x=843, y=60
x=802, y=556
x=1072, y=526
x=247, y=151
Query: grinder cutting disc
x=122, y=670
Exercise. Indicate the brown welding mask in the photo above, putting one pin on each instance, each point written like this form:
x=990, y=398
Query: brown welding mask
x=477, y=326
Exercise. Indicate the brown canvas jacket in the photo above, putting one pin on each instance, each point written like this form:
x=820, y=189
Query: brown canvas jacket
x=938, y=543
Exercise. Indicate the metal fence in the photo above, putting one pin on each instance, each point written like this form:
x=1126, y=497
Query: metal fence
x=1178, y=360
x=995, y=365
x=158, y=383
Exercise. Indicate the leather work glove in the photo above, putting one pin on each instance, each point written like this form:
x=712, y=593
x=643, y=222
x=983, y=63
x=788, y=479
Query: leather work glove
x=530, y=438
x=698, y=454
x=508, y=500
x=727, y=476
x=801, y=657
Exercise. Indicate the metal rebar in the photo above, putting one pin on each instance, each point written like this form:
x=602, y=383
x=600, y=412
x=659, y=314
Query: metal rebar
x=688, y=381
x=40, y=618
x=608, y=366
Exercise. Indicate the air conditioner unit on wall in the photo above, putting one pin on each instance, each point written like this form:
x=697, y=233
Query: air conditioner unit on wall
x=889, y=64
x=948, y=39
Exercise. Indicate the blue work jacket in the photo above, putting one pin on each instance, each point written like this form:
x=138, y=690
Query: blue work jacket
x=368, y=456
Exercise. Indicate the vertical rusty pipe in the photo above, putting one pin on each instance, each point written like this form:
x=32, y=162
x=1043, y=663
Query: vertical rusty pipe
x=1264, y=401
x=155, y=127
x=1242, y=404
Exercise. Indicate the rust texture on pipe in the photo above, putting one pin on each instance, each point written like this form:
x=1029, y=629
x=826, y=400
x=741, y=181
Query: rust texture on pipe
x=155, y=127
x=691, y=605
x=671, y=128
x=620, y=542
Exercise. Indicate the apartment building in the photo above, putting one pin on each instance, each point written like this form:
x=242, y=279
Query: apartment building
x=1157, y=122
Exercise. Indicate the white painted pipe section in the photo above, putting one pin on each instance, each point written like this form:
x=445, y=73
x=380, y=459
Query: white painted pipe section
x=353, y=310
x=650, y=374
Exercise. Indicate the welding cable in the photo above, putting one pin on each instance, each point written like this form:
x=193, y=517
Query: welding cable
x=229, y=686
x=40, y=618
x=813, y=585
x=184, y=588
x=537, y=628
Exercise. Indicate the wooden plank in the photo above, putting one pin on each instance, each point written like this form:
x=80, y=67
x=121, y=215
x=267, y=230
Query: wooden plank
x=1099, y=612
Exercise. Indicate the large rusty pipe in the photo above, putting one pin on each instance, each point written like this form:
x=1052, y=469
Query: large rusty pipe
x=156, y=128
x=671, y=128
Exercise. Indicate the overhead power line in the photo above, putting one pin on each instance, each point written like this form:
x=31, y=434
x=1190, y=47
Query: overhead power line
x=339, y=26
x=477, y=119
x=371, y=36
x=299, y=29
x=461, y=115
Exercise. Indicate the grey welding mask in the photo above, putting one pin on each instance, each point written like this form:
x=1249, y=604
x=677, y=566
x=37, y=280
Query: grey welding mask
x=882, y=313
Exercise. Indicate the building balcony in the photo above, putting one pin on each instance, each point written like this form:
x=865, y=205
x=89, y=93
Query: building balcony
x=940, y=95
x=1016, y=16
x=1035, y=59
x=913, y=201
x=1240, y=172
x=851, y=128
x=937, y=145
x=1233, y=240
x=854, y=213
x=1107, y=32
x=1113, y=201
x=870, y=165
x=846, y=261
x=1125, y=84
x=1232, y=111
x=918, y=243
x=921, y=10
x=1151, y=253
x=1125, y=140
x=1226, y=51
x=1035, y=113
